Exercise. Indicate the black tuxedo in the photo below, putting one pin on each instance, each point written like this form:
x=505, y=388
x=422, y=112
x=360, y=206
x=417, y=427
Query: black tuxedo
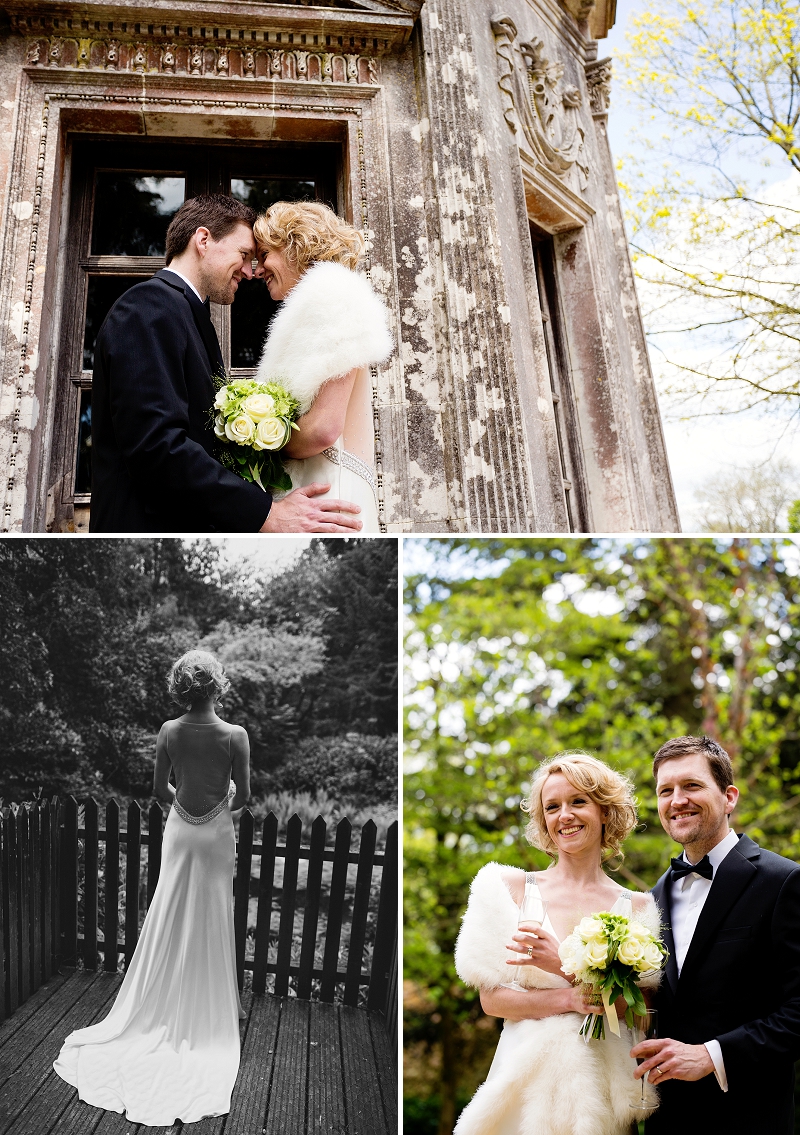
x=739, y=985
x=153, y=468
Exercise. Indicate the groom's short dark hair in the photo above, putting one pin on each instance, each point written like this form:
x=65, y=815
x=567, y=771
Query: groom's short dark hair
x=214, y=211
x=718, y=760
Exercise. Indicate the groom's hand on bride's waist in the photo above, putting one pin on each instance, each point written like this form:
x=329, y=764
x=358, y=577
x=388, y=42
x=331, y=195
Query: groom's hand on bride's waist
x=672, y=1060
x=299, y=511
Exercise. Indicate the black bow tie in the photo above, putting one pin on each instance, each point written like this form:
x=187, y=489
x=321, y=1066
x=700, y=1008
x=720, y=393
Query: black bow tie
x=680, y=868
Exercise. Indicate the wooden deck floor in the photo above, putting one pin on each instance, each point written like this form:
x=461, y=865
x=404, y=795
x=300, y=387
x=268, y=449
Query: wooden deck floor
x=306, y=1068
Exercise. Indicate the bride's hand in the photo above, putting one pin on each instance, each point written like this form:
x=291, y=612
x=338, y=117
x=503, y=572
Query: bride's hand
x=579, y=1004
x=535, y=948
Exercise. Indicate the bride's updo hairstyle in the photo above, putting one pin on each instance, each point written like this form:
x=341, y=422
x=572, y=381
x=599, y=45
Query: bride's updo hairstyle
x=195, y=676
x=601, y=784
x=307, y=231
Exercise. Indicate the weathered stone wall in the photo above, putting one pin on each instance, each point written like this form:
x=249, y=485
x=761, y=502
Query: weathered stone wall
x=444, y=167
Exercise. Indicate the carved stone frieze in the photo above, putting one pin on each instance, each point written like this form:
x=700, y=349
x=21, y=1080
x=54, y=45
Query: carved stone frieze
x=245, y=60
x=542, y=112
x=598, y=78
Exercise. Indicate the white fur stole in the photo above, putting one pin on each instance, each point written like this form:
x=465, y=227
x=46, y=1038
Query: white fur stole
x=330, y=323
x=545, y=1080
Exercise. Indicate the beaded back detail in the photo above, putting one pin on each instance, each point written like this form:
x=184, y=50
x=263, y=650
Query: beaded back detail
x=354, y=464
x=215, y=811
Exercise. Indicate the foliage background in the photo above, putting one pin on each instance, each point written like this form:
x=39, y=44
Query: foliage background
x=91, y=627
x=518, y=648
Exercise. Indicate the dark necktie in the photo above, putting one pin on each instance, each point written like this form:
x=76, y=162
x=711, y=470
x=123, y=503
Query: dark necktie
x=680, y=868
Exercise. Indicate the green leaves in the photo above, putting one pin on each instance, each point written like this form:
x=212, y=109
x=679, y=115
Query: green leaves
x=715, y=248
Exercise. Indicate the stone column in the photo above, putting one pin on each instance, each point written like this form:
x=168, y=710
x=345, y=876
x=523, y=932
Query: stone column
x=479, y=372
x=656, y=507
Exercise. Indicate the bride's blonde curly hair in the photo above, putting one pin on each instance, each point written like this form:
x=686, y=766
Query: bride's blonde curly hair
x=603, y=785
x=307, y=231
x=195, y=676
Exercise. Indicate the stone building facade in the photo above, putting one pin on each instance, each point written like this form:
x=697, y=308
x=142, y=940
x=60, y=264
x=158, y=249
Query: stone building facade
x=467, y=138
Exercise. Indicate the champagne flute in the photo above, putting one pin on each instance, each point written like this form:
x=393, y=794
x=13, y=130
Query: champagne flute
x=644, y=1028
x=532, y=911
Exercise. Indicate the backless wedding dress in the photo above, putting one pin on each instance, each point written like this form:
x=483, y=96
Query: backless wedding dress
x=330, y=323
x=169, y=1048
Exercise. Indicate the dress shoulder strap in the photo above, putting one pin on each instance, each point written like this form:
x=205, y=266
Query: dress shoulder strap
x=625, y=900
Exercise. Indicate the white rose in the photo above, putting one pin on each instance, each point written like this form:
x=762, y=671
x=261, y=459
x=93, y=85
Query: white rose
x=571, y=951
x=652, y=957
x=240, y=430
x=221, y=399
x=596, y=953
x=259, y=406
x=631, y=951
x=590, y=928
x=219, y=426
x=270, y=434
x=636, y=930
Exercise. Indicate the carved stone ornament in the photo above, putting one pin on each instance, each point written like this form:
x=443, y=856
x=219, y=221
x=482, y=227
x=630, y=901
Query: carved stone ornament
x=542, y=113
x=598, y=78
x=207, y=58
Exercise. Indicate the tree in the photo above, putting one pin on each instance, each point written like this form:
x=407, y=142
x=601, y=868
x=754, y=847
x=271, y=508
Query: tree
x=540, y=645
x=717, y=83
x=92, y=627
x=753, y=498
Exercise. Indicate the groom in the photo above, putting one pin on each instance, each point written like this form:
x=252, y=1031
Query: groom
x=729, y=1005
x=153, y=464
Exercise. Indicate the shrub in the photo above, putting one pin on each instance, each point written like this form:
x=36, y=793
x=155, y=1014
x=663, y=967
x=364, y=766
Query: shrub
x=359, y=769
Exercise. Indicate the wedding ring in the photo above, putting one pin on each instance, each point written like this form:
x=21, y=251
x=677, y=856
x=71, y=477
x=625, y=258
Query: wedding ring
x=529, y=951
x=658, y=1069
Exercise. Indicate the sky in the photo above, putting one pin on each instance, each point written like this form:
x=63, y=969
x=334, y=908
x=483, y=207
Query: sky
x=275, y=552
x=698, y=448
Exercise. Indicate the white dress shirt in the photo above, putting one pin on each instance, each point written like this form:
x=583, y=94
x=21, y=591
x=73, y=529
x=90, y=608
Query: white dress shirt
x=687, y=898
x=186, y=280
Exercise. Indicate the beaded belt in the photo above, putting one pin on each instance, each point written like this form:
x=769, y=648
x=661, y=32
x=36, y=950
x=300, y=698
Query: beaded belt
x=190, y=819
x=354, y=464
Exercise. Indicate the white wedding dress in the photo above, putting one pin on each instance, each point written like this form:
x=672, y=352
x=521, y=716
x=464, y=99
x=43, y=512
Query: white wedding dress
x=544, y=1080
x=350, y=478
x=169, y=1048
x=331, y=323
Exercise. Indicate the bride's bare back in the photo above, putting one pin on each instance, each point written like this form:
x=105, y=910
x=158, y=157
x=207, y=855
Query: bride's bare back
x=205, y=757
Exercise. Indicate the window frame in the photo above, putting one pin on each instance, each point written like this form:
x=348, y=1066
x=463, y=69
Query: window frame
x=561, y=389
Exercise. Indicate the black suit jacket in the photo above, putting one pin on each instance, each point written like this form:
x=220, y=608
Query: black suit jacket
x=740, y=985
x=153, y=464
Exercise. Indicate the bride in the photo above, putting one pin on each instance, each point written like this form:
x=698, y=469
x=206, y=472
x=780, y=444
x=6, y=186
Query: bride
x=329, y=330
x=169, y=1048
x=544, y=1079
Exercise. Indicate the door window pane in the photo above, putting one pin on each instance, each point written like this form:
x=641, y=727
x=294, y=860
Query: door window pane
x=83, y=470
x=252, y=308
x=261, y=192
x=251, y=313
x=103, y=293
x=132, y=213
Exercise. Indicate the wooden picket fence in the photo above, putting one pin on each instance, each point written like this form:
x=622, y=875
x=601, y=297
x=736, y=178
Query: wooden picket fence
x=43, y=875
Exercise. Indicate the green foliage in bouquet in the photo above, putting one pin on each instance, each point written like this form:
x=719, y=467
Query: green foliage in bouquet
x=610, y=953
x=253, y=421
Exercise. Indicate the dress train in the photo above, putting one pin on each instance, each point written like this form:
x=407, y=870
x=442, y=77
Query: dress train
x=169, y=1048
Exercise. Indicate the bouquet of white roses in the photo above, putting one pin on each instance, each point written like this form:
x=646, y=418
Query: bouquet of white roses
x=608, y=953
x=253, y=421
